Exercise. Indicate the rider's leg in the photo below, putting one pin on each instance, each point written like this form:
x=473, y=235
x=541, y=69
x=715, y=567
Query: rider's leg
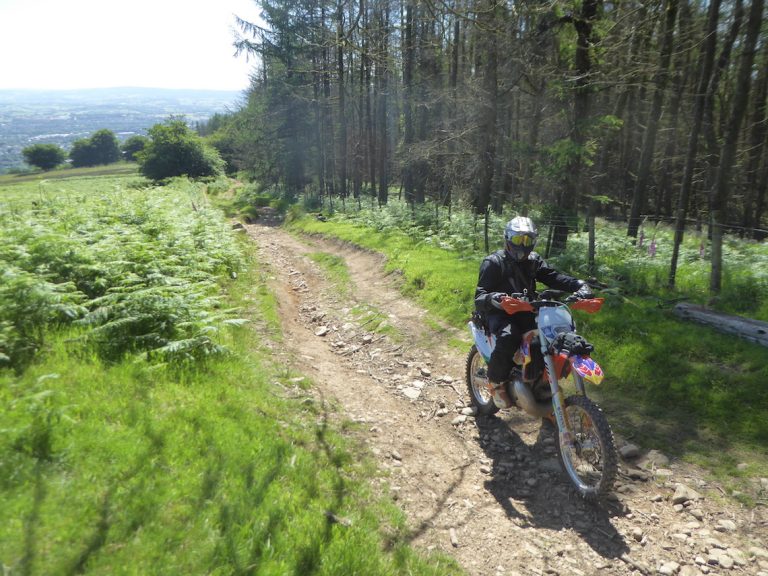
x=500, y=365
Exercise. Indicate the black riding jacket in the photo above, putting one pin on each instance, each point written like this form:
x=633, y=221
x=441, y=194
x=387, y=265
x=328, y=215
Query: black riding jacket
x=500, y=273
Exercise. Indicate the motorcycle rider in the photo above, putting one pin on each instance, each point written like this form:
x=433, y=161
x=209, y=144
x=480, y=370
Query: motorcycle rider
x=515, y=269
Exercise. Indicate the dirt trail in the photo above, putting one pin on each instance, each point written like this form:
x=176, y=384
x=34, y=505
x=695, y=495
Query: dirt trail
x=487, y=491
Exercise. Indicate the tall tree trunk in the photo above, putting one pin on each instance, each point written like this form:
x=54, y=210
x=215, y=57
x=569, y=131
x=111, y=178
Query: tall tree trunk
x=705, y=73
x=328, y=132
x=342, y=104
x=682, y=73
x=359, y=159
x=649, y=142
x=757, y=145
x=738, y=109
x=382, y=74
x=489, y=104
x=409, y=130
x=568, y=202
x=710, y=125
x=370, y=109
x=319, y=121
x=452, y=109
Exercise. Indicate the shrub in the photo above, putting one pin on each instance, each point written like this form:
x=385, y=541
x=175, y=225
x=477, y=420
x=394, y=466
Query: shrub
x=44, y=156
x=132, y=146
x=101, y=148
x=175, y=150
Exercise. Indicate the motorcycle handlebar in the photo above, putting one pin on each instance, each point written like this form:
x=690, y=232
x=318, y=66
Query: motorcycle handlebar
x=515, y=303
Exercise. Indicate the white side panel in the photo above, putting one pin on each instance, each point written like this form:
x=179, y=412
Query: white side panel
x=483, y=343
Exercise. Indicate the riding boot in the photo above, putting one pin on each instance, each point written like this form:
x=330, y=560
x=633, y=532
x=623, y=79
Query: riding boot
x=500, y=395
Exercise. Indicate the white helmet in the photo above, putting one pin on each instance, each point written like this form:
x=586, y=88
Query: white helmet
x=520, y=237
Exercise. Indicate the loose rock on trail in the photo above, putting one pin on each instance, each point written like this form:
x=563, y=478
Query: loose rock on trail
x=486, y=491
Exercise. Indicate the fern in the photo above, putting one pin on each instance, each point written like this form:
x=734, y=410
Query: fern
x=136, y=269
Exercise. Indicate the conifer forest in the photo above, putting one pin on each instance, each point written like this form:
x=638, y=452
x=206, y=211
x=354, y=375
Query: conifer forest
x=623, y=110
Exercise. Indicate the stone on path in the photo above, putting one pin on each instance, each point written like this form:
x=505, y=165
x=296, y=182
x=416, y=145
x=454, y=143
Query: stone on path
x=684, y=494
x=725, y=525
x=629, y=451
x=669, y=568
x=655, y=459
x=454, y=537
x=739, y=558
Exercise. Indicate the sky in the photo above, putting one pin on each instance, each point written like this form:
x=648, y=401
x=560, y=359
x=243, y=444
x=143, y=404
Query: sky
x=75, y=44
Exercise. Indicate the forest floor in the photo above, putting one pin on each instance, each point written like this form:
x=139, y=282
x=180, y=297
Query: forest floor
x=487, y=491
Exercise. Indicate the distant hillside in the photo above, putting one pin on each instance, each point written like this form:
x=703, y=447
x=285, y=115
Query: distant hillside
x=61, y=117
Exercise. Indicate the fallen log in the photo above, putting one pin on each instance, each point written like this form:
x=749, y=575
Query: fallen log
x=747, y=328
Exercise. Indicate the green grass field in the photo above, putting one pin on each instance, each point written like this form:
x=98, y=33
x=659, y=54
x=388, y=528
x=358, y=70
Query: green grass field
x=153, y=458
x=117, y=169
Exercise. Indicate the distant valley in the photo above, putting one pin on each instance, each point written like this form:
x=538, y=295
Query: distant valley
x=61, y=117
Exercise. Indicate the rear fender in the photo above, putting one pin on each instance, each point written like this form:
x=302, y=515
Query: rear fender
x=485, y=343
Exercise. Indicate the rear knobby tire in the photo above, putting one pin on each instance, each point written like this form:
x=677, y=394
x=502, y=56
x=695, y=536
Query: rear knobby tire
x=477, y=384
x=592, y=463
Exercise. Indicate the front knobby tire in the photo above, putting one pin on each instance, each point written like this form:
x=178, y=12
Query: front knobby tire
x=477, y=384
x=591, y=463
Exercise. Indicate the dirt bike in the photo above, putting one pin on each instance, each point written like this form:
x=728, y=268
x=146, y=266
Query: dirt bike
x=547, y=357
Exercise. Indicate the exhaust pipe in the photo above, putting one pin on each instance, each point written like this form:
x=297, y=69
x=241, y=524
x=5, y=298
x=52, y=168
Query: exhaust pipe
x=525, y=400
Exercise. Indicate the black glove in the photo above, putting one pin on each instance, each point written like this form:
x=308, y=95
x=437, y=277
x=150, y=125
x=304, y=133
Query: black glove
x=584, y=292
x=494, y=299
x=487, y=302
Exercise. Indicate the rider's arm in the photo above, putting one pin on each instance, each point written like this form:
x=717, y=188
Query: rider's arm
x=557, y=280
x=488, y=284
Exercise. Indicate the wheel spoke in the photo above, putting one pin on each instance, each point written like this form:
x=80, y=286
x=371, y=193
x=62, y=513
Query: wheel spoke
x=591, y=460
x=478, y=384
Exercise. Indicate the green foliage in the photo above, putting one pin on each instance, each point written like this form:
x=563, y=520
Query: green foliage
x=562, y=155
x=29, y=305
x=643, y=270
x=227, y=143
x=44, y=156
x=138, y=271
x=132, y=146
x=621, y=264
x=101, y=148
x=175, y=150
x=128, y=468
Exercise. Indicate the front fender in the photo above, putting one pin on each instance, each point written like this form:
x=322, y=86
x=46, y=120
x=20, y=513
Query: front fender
x=587, y=368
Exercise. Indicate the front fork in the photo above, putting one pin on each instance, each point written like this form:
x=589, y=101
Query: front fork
x=558, y=402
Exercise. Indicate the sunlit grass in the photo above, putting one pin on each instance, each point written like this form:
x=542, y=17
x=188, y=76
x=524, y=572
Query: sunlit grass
x=117, y=169
x=634, y=265
x=226, y=466
x=335, y=269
